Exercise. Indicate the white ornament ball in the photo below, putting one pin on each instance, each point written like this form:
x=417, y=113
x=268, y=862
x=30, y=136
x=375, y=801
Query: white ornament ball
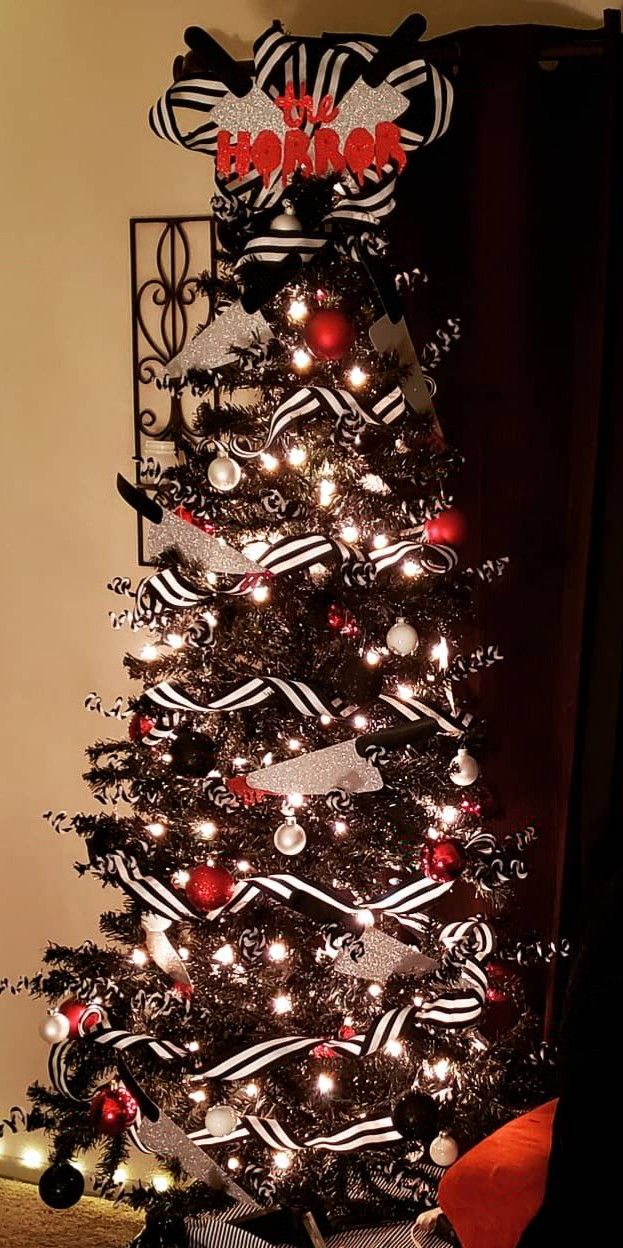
x=54, y=1028
x=221, y=1120
x=402, y=637
x=224, y=473
x=285, y=223
x=443, y=1150
x=290, y=838
x=463, y=769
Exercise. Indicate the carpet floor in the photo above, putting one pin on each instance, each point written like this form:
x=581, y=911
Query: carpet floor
x=26, y=1223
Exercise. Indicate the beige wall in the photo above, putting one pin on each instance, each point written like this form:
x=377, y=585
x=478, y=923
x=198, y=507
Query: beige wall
x=77, y=161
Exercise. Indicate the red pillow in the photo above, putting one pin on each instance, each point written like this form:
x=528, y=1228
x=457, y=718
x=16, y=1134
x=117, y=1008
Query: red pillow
x=495, y=1190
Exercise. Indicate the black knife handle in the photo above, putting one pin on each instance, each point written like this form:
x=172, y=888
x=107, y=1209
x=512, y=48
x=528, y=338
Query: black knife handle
x=139, y=500
x=395, y=738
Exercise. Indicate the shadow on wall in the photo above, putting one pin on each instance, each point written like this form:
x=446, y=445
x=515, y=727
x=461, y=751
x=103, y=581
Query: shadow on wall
x=360, y=16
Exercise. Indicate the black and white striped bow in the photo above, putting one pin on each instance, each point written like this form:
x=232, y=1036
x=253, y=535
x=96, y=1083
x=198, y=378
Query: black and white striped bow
x=336, y=402
x=360, y=1134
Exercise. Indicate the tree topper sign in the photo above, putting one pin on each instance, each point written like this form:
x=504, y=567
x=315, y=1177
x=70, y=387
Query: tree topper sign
x=309, y=143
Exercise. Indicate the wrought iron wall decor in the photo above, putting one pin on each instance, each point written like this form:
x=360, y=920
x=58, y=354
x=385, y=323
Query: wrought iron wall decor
x=166, y=255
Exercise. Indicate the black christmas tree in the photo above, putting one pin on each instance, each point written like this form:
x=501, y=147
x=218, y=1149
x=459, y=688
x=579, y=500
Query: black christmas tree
x=279, y=1010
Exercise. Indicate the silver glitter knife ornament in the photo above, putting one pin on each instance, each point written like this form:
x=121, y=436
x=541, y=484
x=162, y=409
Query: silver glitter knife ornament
x=376, y=956
x=343, y=766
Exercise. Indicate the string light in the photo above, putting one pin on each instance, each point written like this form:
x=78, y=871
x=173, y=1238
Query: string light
x=350, y=533
x=373, y=658
x=270, y=462
x=366, y=917
x=301, y=360
x=120, y=1175
x=184, y=953
x=198, y=1097
x=175, y=641
x=283, y=1161
x=296, y=800
x=282, y=1004
x=325, y=719
x=405, y=691
x=32, y=1158
x=207, y=830
x=440, y=654
x=297, y=456
x=160, y=1182
x=167, y=758
x=251, y=1089
x=294, y=743
x=149, y=652
x=340, y=826
x=261, y=593
x=243, y=865
x=380, y=541
x=193, y=1046
x=225, y=955
x=357, y=376
x=181, y=878
x=139, y=957
x=449, y=815
x=298, y=310
x=156, y=829
x=374, y=990
x=411, y=567
x=233, y=1163
x=393, y=1048
x=360, y=721
x=327, y=490
x=278, y=951
x=325, y=1083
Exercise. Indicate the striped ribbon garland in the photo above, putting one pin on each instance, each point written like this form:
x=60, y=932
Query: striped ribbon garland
x=337, y=402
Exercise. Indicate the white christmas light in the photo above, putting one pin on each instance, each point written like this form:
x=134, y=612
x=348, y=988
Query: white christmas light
x=261, y=593
x=374, y=990
x=282, y=1004
x=120, y=1175
x=405, y=691
x=283, y=1161
x=277, y=951
x=225, y=955
x=296, y=800
x=198, y=1097
x=438, y=1070
x=149, y=652
x=206, y=830
x=373, y=658
x=139, y=957
x=268, y=461
x=350, y=533
x=325, y=1083
x=440, y=654
x=175, y=641
x=393, y=1048
x=251, y=1089
x=243, y=865
x=411, y=567
x=301, y=360
x=160, y=1182
x=325, y=719
x=380, y=541
x=360, y=721
x=181, y=878
x=31, y=1157
x=193, y=1046
x=294, y=743
x=357, y=376
x=156, y=829
x=297, y=456
x=298, y=310
x=367, y=917
x=340, y=826
x=233, y=1163
x=449, y=815
x=167, y=758
x=327, y=490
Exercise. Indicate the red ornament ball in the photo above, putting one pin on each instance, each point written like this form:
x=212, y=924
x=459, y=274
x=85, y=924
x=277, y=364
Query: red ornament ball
x=342, y=620
x=346, y=1032
x=139, y=726
x=209, y=888
x=323, y=1050
x=447, y=529
x=499, y=983
x=443, y=860
x=113, y=1110
x=81, y=1018
x=329, y=334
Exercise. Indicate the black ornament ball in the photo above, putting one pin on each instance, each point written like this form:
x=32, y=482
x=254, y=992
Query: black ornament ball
x=61, y=1186
x=192, y=754
x=415, y=1115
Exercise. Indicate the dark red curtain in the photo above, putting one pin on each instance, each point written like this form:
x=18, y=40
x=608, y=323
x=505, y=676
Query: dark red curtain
x=515, y=217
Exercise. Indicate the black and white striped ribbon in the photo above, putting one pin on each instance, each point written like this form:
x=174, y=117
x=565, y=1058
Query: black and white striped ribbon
x=207, y=1232
x=335, y=402
x=109, y=1038
x=361, y=1134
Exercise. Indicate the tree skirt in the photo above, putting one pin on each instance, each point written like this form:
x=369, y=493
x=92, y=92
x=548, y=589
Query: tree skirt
x=28, y=1223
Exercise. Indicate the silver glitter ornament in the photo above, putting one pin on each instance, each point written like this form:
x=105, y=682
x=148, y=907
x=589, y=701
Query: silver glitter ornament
x=211, y=553
x=224, y=473
x=290, y=838
x=376, y=956
x=402, y=638
x=54, y=1028
x=221, y=1120
x=212, y=347
x=334, y=767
